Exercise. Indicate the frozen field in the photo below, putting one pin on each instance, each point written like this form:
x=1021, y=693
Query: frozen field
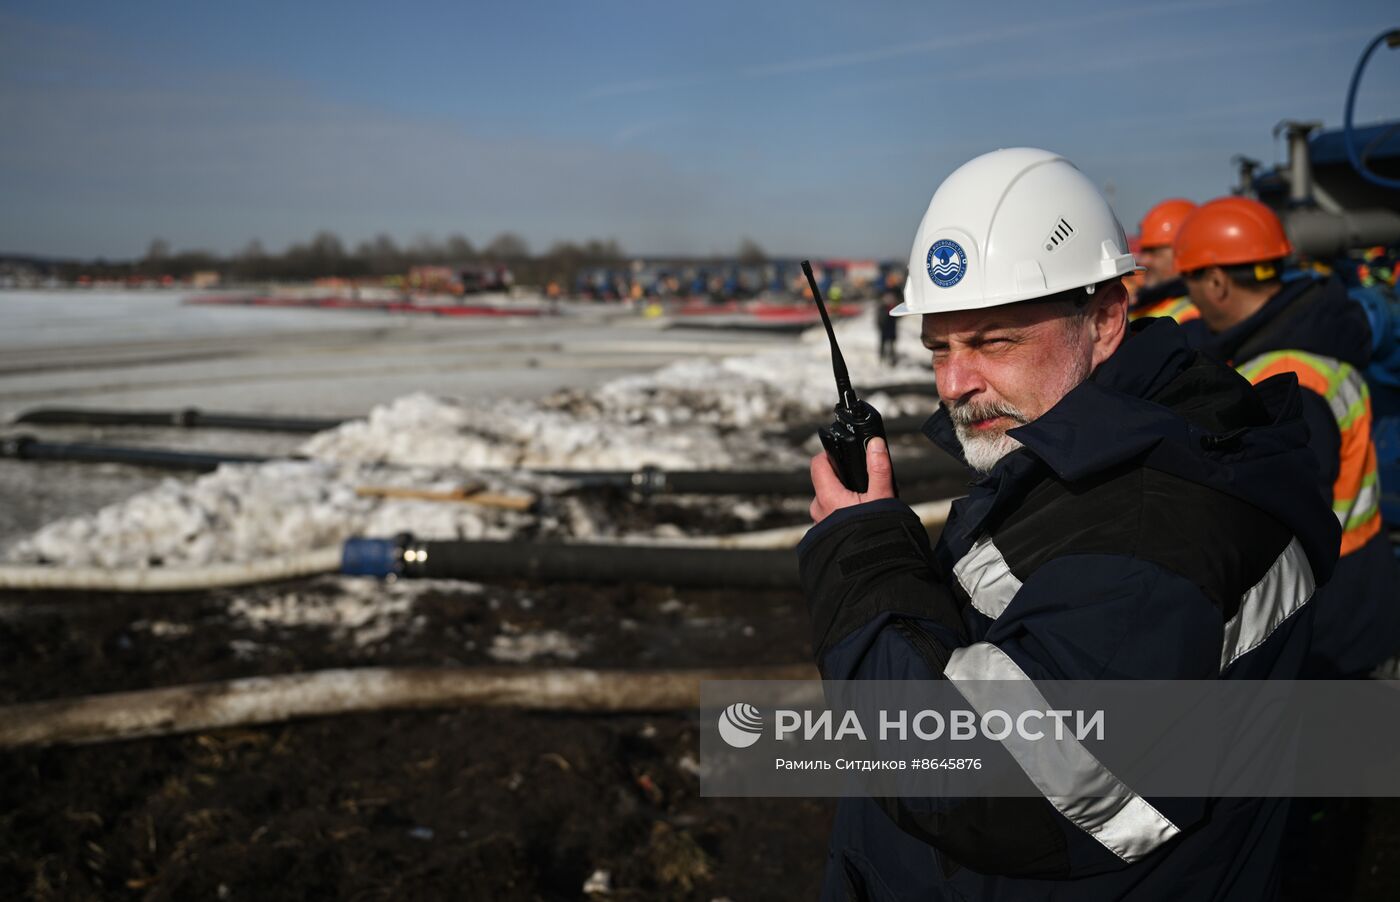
x=432, y=399
x=146, y=349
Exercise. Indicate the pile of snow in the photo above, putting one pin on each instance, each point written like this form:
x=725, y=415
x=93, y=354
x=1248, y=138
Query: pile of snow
x=781, y=387
x=688, y=415
x=692, y=414
x=248, y=512
x=422, y=430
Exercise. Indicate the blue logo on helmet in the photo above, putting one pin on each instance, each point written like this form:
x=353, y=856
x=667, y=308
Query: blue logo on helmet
x=947, y=263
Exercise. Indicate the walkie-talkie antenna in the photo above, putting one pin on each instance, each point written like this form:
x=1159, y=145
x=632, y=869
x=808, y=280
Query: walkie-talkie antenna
x=838, y=363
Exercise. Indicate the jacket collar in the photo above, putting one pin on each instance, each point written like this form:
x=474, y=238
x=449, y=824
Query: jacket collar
x=1145, y=402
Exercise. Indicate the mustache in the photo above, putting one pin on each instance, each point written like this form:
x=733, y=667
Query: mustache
x=967, y=414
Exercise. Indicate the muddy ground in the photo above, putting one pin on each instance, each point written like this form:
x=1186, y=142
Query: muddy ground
x=458, y=804
x=451, y=805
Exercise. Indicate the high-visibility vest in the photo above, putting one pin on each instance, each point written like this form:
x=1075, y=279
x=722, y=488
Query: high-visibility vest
x=1180, y=309
x=1356, y=494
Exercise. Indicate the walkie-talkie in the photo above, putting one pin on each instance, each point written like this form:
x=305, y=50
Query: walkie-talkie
x=856, y=422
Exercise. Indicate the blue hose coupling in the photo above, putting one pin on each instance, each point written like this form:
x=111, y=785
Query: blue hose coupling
x=372, y=557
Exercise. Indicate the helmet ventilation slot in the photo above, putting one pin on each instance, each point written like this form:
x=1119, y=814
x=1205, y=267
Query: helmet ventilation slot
x=1060, y=234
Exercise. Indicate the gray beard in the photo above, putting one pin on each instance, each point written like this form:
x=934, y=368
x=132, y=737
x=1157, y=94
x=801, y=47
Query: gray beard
x=983, y=452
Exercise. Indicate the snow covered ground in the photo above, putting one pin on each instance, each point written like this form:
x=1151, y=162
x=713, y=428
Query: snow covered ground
x=705, y=405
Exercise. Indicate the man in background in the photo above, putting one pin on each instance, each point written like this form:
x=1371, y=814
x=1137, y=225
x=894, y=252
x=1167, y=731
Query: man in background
x=1162, y=292
x=885, y=321
x=1232, y=252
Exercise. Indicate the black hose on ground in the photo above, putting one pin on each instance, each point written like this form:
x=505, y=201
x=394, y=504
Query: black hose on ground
x=188, y=418
x=194, y=418
x=594, y=563
x=646, y=481
x=655, y=481
x=27, y=447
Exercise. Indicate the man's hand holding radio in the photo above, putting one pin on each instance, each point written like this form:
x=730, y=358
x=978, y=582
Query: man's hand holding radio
x=831, y=494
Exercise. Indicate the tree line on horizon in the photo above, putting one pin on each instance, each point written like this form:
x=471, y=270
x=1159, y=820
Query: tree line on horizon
x=326, y=255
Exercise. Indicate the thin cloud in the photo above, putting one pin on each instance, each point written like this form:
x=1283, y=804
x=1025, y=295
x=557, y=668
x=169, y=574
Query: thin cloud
x=1227, y=47
x=1052, y=65
x=636, y=130
x=645, y=86
x=843, y=60
x=883, y=54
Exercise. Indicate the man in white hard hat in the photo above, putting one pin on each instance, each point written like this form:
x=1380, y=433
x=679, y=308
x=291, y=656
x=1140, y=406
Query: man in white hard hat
x=1134, y=519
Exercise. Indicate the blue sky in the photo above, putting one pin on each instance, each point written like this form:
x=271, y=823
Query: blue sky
x=813, y=128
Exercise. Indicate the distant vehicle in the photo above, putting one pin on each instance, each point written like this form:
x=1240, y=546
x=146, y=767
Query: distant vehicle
x=460, y=280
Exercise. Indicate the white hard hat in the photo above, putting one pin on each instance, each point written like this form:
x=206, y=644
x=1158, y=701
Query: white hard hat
x=1008, y=226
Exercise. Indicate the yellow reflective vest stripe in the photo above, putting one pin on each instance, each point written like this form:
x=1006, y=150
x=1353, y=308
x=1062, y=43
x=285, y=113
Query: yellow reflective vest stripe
x=1180, y=309
x=1356, y=494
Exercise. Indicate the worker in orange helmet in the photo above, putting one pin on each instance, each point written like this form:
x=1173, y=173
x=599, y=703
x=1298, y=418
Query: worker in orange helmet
x=1231, y=253
x=1162, y=292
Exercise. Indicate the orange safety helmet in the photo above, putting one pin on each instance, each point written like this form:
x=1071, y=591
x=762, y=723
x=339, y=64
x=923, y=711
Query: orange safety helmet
x=1160, y=225
x=1230, y=231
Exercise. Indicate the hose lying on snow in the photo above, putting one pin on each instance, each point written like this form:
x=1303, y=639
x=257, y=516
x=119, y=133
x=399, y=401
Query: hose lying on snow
x=264, y=700
x=186, y=418
x=930, y=513
x=645, y=481
x=655, y=481
x=733, y=568
x=762, y=559
x=27, y=447
x=475, y=561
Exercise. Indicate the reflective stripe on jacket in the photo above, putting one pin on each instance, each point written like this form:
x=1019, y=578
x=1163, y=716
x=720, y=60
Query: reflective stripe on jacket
x=1356, y=493
x=1178, y=308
